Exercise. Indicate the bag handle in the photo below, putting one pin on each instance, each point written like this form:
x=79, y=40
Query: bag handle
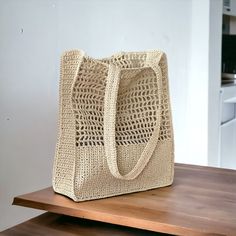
x=110, y=101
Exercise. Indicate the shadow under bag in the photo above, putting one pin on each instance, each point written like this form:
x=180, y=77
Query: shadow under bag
x=115, y=127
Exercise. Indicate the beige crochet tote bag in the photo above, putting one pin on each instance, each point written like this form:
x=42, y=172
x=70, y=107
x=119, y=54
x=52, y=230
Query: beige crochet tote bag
x=115, y=127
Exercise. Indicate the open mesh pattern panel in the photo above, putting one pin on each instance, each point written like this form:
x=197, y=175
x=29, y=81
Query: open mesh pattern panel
x=137, y=103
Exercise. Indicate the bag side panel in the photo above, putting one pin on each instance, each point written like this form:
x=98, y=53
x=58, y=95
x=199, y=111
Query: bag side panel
x=64, y=161
x=166, y=129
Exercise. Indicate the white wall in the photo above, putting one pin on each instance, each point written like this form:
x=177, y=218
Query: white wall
x=28, y=102
x=197, y=98
x=215, y=39
x=202, y=139
x=34, y=33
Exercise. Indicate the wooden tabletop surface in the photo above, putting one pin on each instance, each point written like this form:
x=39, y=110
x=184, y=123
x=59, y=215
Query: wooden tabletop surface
x=201, y=201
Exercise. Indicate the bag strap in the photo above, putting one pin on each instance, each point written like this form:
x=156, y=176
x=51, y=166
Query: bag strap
x=110, y=101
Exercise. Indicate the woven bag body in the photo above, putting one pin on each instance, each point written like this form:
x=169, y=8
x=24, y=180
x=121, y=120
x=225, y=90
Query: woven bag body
x=115, y=127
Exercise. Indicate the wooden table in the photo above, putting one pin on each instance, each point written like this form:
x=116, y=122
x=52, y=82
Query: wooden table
x=201, y=201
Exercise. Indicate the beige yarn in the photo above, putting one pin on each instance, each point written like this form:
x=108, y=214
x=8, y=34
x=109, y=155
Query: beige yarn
x=115, y=126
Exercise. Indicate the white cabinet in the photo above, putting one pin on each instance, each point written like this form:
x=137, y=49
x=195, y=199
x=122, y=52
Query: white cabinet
x=228, y=145
x=227, y=132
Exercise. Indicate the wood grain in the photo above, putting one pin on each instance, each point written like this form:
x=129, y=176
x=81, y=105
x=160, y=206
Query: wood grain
x=201, y=201
x=49, y=224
